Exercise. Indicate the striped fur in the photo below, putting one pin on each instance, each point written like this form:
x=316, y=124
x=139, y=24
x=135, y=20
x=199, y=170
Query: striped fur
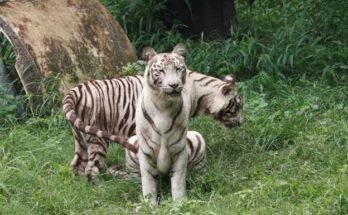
x=97, y=110
x=162, y=118
x=107, y=108
x=195, y=148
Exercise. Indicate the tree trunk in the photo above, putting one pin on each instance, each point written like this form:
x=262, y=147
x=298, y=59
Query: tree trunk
x=208, y=18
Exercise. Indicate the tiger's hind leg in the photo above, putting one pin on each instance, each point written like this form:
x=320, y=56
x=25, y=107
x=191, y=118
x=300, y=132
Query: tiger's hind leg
x=79, y=162
x=196, y=149
x=132, y=159
x=97, y=149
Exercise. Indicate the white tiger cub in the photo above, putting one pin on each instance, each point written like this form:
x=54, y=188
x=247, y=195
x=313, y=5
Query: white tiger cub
x=162, y=116
x=195, y=148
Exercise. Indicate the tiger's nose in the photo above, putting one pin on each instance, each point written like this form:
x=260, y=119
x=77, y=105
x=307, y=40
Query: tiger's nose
x=173, y=85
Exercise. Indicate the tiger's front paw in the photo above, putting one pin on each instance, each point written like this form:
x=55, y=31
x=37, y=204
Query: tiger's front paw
x=78, y=166
x=92, y=170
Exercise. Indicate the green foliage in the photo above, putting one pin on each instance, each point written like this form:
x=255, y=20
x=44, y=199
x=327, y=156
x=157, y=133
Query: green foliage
x=8, y=109
x=9, y=58
x=291, y=38
x=138, y=17
x=9, y=105
x=134, y=68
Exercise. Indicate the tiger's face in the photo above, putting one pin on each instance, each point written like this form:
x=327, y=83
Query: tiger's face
x=165, y=72
x=228, y=104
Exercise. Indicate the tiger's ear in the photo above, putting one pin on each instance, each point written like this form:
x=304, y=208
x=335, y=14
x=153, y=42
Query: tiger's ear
x=231, y=79
x=179, y=49
x=229, y=87
x=148, y=53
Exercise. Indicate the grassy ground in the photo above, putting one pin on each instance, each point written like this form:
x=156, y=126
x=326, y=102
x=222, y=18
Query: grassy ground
x=290, y=157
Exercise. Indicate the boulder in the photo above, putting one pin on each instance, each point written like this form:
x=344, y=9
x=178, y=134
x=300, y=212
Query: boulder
x=61, y=43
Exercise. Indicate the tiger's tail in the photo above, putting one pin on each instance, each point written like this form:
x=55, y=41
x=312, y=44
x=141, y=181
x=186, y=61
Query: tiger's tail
x=69, y=104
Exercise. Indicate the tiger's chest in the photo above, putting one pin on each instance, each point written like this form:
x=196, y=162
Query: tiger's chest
x=164, y=134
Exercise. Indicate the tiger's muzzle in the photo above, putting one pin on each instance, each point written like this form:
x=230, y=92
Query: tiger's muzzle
x=229, y=122
x=173, y=90
x=233, y=124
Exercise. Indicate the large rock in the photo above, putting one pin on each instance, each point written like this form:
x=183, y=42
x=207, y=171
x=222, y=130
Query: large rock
x=67, y=40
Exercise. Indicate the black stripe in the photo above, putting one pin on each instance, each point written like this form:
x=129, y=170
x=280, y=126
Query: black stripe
x=141, y=83
x=103, y=109
x=189, y=143
x=149, y=138
x=198, y=161
x=99, y=144
x=94, y=154
x=120, y=88
x=148, y=118
x=109, y=102
x=146, y=154
x=228, y=105
x=198, y=104
x=180, y=138
x=198, y=147
x=154, y=176
x=177, y=113
x=132, y=107
x=201, y=79
x=85, y=104
x=99, y=105
x=77, y=97
x=130, y=155
x=126, y=106
x=131, y=130
x=208, y=82
x=80, y=157
x=147, y=143
x=178, y=152
x=114, y=107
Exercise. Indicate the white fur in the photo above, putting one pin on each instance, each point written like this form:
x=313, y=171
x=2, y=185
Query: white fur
x=77, y=122
x=87, y=128
x=100, y=133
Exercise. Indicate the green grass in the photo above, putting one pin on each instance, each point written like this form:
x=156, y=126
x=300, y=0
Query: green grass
x=289, y=157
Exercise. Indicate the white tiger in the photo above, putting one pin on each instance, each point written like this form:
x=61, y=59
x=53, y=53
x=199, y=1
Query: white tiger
x=162, y=117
